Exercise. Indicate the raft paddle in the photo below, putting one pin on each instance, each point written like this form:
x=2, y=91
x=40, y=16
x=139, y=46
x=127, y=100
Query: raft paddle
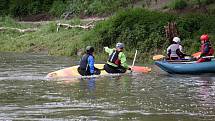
x=196, y=55
x=158, y=57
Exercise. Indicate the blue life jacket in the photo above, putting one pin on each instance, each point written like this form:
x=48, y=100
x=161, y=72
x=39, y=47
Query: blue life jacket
x=85, y=64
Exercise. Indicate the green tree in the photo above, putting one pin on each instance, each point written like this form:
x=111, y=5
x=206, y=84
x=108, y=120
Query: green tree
x=46, y=4
x=4, y=4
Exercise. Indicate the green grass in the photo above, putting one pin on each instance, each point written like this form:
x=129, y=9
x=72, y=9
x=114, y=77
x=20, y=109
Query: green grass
x=137, y=28
x=64, y=42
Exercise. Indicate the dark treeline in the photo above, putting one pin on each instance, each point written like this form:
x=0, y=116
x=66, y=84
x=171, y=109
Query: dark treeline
x=22, y=8
x=19, y=8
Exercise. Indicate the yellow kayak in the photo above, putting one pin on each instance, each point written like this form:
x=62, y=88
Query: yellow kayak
x=72, y=72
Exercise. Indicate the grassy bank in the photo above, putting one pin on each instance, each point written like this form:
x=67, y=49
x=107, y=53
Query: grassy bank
x=45, y=39
x=137, y=28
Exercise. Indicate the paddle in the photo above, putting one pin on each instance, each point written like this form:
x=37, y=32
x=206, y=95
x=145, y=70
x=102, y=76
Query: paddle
x=139, y=68
x=196, y=55
x=158, y=57
x=135, y=56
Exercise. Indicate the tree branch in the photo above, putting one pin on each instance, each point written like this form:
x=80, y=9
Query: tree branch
x=18, y=30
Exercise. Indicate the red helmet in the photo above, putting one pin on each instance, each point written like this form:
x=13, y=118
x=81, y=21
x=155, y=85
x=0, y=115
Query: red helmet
x=204, y=37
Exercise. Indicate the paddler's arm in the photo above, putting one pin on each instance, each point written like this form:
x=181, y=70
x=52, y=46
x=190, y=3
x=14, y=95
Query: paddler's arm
x=122, y=59
x=168, y=52
x=91, y=64
x=108, y=50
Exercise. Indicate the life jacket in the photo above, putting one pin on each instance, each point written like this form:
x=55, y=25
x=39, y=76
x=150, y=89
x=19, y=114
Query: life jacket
x=84, y=62
x=210, y=51
x=114, y=58
x=172, y=49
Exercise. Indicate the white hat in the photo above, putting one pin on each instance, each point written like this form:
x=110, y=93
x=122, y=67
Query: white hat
x=176, y=39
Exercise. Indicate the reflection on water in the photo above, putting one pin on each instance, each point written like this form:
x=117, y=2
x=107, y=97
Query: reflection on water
x=26, y=95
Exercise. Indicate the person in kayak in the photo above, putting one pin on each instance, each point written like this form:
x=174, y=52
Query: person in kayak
x=117, y=60
x=206, y=49
x=174, y=51
x=86, y=66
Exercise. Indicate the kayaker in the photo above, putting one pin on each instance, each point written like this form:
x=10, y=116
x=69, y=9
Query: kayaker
x=117, y=60
x=206, y=49
x=86, y=66
x=174, y=51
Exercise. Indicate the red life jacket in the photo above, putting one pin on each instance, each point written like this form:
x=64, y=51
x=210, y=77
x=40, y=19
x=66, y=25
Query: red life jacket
x=204, y=46
x=114, y=58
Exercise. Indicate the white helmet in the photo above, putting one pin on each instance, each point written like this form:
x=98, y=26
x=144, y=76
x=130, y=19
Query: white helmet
x=120, y=45
x=176, y=39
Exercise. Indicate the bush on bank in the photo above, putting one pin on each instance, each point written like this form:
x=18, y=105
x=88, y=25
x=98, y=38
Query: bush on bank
x=22, y=8
x=137, y=28
x=144, y=30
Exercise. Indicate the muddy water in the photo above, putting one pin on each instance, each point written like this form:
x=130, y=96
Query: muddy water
x=158, y=96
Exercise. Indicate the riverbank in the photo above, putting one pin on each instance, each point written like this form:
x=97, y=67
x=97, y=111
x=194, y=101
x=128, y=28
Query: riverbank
x=138, y=28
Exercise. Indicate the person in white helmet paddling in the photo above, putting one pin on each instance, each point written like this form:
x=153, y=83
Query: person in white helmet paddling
x=117, y=60
x=174, y=51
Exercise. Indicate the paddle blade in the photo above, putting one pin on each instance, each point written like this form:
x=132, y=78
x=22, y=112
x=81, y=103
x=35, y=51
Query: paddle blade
x=158, y=57
x=141, y=69
x=196, y=55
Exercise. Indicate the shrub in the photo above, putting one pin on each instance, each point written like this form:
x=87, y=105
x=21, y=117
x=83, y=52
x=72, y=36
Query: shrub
x=34, y=7
x=132, y=27
x=96, y=7
x=58, y=7
x=20, y=8
x=144, y=30
x=202, y=2
x=4, y=7
x=178, y=4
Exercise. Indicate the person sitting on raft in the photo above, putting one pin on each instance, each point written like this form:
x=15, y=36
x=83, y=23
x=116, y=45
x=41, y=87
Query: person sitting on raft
x=117, y=60
x=86, y=67
x=206, y=49
x=174, y=51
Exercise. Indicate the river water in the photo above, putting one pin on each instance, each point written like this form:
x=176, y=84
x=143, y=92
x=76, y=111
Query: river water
x=26, y=95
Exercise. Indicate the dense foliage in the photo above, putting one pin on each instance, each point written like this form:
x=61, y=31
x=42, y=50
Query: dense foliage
x=97, y=7
x=181, y=4
x=20, y=8
x=137, y=28
x=144, y=30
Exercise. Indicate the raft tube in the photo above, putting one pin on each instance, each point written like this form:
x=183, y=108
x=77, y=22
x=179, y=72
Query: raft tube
x=187, y=67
